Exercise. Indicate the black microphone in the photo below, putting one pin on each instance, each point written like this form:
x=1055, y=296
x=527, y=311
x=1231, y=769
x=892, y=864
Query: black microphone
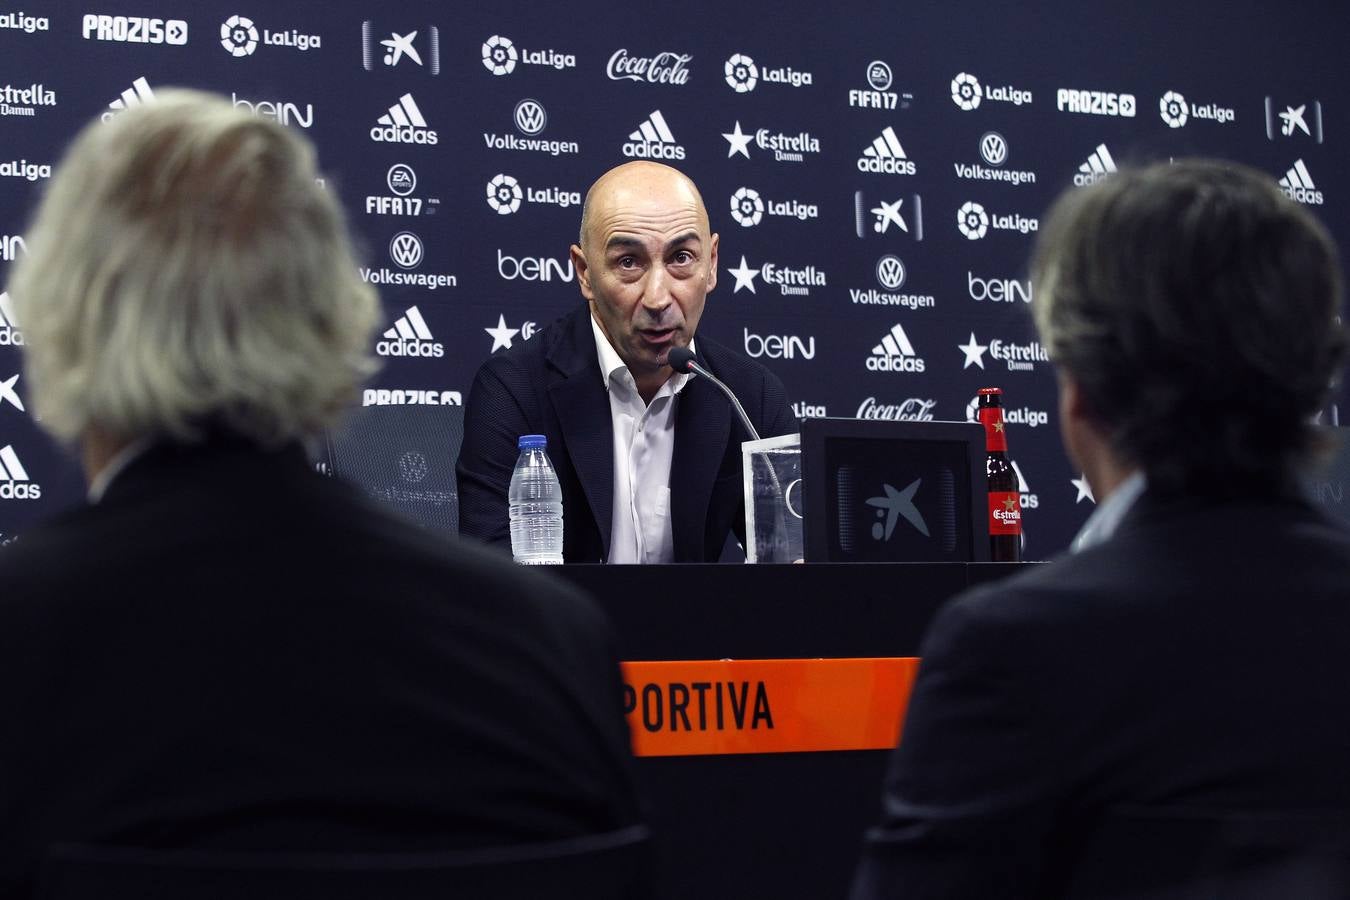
x=681, y=359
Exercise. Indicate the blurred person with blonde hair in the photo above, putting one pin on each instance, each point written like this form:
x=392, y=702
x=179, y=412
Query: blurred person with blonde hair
x=224, y=649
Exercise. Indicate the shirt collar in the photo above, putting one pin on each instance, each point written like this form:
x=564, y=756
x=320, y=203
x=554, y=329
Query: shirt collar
x=611, y=363
x=114, y=467
x=1106, y=518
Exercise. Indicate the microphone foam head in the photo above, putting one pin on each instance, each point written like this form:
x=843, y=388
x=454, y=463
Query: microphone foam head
x=680, y=358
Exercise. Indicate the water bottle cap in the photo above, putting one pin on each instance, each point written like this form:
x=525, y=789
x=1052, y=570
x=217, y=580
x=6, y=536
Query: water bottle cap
x=532, y=442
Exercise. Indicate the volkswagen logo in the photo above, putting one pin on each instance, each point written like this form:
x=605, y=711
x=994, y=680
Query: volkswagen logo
x=405, y=249
x=530, y=116
x=878, y=75
x=401, y=179
x=993, y=148
x=412, y=466
x=890, y=272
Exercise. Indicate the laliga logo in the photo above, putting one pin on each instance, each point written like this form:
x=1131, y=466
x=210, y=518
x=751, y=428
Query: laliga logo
x=504, y=194
x=238, y=36
x=1173, y=109
x=966, y=91
x=972, y=220
x=746, y=207
x=741, y=73
x=499, y=55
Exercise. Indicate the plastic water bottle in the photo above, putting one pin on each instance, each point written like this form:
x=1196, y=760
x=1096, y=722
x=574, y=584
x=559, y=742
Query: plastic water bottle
x=536, y=505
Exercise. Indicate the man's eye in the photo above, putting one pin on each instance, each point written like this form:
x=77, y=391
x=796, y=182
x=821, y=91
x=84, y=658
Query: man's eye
x=627, y=262
x=684, y=257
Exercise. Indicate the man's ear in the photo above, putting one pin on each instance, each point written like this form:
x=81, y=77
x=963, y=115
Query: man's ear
x=583, y=271
x=712, y=263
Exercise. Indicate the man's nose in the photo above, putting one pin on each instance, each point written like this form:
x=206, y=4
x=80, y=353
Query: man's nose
x=656, y=295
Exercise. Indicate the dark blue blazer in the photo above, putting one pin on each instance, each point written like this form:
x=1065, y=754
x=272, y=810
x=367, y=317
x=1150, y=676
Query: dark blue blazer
x=552, y=385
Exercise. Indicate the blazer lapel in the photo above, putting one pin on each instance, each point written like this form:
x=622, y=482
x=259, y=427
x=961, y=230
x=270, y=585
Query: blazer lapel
x=582, y=406
x=702, y=429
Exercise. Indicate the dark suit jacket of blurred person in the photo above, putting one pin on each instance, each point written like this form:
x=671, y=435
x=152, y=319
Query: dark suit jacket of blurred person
x=1197, y=660
x=552, y=385
x=231, y=651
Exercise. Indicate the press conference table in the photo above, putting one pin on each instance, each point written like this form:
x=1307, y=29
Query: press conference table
x=785, y=824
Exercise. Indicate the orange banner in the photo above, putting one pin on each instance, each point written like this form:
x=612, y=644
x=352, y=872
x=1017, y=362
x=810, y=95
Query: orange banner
x=699, y=707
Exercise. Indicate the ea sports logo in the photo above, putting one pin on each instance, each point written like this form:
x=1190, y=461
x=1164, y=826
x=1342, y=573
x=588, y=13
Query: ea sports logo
x=890, y=272
x=993, y=148
x=499, y=55
x=530, y=116
x=238, y=36
x=966, y=91
x=741, y=73
x=504, y=194
x=402, y=180
x=405, y=249
x=746, y=207
x=1173, y=109
x=972, y=220
x=878, y=75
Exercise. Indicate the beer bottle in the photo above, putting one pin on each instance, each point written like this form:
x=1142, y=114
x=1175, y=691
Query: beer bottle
x=1005, y=507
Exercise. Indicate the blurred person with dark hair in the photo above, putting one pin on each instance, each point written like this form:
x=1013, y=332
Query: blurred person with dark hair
x=225, y=649
x=1190, y=653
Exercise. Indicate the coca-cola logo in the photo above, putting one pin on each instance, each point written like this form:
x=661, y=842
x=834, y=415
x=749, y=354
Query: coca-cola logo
x=912, y=410
x=663, y=68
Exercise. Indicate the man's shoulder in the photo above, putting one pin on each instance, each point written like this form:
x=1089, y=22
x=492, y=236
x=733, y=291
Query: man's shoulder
x=528, y=355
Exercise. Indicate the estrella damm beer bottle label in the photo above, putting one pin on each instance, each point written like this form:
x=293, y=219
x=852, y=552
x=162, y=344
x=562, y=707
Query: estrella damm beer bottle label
x=1005, y=513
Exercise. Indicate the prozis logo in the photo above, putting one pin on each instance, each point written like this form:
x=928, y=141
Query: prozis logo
x=24, y=101
x=530, y=119
x=410, y=396
x=974, y=221
x=1095, y=103
x=912, y=409
x=997, y=290
x=880, y=95
x=885, y=156
x=14, y=481
x=282, y=111
x=778, y=346
x=22, y=168
x=748, y=208
x=1096, y=167
x=138, y=94
x=742, y=74
x=501, y=56
x=503, y=335
x=1176, y=112
x=785, y=147
x=968, y=93
x=10, y=335
x=653, y=139
x=1017, y=357
x=401, y=47
x=410, y=336
x=407, y=251
x=789, y=280
x=20, y=21
x=11, y=245
x=403, y=124
x=1298, y=185
x=667, y=67
x=505, y=194
x=895, y=353
x=134, y=30
x=240, y=37
x=401, y=180
x=888, y=217
x=533, y=268
x=1304, y=120
x=994, y=151
x=1022, y=415
x=891, y=275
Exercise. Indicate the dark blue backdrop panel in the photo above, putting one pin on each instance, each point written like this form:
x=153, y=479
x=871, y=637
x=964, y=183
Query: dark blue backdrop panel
x=875, y=170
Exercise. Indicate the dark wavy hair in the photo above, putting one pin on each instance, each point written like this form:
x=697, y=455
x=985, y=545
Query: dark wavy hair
x=1197, y=308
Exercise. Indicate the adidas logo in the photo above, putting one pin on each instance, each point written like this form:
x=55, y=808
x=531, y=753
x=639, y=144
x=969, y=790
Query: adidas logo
x=895, y=354
x=410, y=336
x=653, y=139
x=1298, y=185
x=137, y=95
x=14, y=482
x=403, y=124
x=886, y=156
x=1098, y=166
x=10, y=336
x=1026, y=499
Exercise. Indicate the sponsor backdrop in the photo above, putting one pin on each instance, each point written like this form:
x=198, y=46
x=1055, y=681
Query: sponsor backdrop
x=877, y=171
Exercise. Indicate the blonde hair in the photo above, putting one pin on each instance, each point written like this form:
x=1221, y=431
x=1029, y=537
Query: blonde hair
x=186, y=271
